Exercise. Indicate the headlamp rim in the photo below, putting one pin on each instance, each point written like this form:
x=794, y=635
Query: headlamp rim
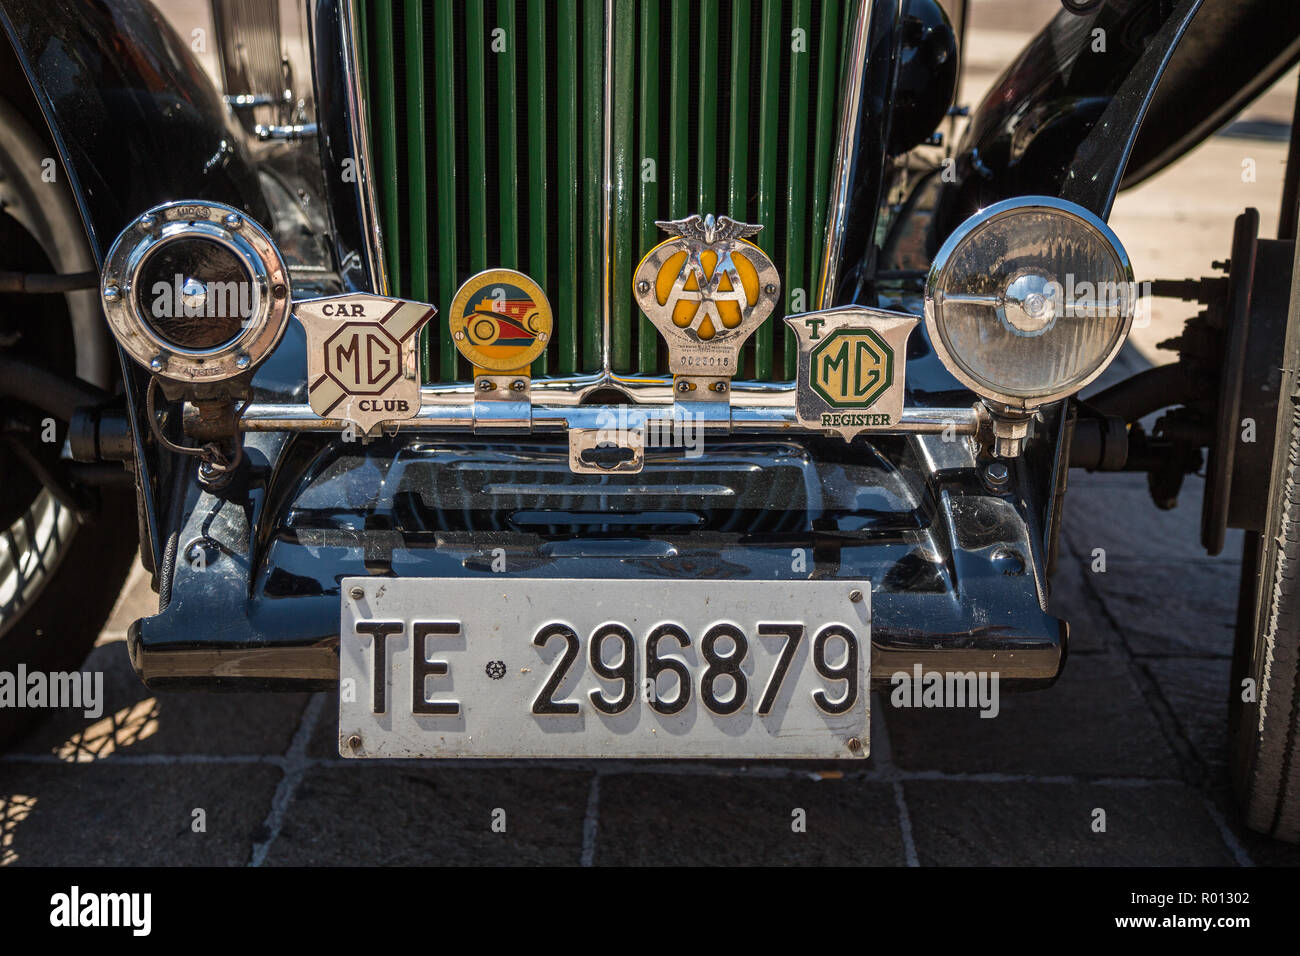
x=990, y=214
x=229, y=227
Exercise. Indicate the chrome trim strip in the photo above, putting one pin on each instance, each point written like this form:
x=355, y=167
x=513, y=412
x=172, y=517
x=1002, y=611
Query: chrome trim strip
x=607, y=228
x=850, y=110
x=562, y=417
x=360, y=143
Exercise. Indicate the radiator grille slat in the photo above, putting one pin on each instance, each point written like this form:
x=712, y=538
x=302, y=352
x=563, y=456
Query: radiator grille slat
x=648, y=166
x=503, y=45
x=488, y=137
x=624, y=164
x=539, y=233
x=769, y=103
x=679, y=100
x=566, y=315
x=417, y=171
x=706, y=121
x=445, y=153
x=795, y=281
x=476, y=134
x=592, y=119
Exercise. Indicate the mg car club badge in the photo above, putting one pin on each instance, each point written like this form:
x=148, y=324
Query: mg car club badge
x=850, y=369
x=706, y=290
x=361, y=361
x=500, y=321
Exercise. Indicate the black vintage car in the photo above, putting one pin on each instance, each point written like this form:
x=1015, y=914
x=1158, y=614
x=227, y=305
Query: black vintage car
x=617, y=378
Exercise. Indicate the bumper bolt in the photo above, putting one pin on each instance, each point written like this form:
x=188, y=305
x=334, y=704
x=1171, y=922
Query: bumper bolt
x=484, y=385
x=996, y=475
x=683, y=387
x=518, y=385
x=357, y=593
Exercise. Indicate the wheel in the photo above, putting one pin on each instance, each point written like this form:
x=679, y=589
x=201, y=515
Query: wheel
x=59, y=573
x=1264, y=701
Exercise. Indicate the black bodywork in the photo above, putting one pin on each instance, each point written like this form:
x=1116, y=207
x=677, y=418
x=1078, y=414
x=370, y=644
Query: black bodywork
x=249, y=576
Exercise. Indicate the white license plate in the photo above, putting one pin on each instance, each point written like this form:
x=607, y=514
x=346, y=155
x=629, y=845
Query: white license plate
x=547, y=667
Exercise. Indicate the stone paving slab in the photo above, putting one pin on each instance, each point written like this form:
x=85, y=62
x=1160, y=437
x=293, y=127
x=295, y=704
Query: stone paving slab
x=429, y=815
x=138, y=721
x=1049, y=824
x=1178, y=608
x=103, y=814
x=1197, y=693
x=1094, y=722
x=663, y=820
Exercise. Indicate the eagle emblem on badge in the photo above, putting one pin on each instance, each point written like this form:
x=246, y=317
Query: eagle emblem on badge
x=706, y=289
x=361, y=357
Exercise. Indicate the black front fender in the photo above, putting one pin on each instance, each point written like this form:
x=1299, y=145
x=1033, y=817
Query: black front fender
x=136, y=120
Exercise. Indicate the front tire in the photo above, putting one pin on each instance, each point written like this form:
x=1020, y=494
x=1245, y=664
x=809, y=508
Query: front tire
x=1265, y=725
x=59, y=576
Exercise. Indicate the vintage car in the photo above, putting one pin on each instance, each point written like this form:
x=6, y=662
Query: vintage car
x=615, y=378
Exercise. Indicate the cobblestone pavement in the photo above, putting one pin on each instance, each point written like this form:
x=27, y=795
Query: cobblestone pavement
x=1134, y=727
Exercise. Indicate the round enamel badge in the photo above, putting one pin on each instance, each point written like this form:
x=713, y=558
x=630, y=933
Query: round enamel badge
x=500, y=320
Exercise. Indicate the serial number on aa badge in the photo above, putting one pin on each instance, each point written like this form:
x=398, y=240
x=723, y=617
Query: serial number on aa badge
x=587, y=668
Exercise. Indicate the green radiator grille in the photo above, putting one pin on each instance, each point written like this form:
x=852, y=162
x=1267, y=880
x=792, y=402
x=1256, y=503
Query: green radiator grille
x=487, y=132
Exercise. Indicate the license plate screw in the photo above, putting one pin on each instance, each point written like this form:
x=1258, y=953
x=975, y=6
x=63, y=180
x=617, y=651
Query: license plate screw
x=855, y=596
x=357, y=593
x=855, y=745
x=354, y=742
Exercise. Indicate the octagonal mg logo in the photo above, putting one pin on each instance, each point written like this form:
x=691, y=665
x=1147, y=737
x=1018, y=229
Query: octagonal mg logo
x=851, y=368
x=361, y=357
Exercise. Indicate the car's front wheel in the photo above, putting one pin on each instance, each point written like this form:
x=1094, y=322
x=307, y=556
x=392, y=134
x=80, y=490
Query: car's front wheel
x=1264, y=703
x=60, y=571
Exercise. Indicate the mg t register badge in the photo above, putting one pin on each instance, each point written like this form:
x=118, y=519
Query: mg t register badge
x=706, y=290
x=361, y=361
x=850, y=369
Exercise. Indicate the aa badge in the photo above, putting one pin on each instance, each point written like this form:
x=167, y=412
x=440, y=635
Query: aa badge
x=851, y=366
x=706, y=290
x=500, y=321
x=361, y=361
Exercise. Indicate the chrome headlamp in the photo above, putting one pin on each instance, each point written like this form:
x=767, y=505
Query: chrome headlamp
x=196, y=292
x=1027, y=302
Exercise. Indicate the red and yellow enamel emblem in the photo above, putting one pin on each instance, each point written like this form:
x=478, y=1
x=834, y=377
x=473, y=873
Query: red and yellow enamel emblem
x=500, y=321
